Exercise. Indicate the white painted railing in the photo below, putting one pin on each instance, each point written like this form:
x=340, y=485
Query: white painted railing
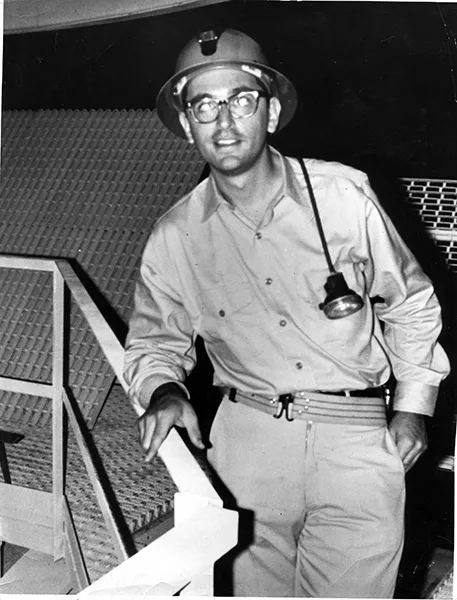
x=181, y=559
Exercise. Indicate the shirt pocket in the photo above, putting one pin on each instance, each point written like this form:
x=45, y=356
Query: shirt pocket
x=333, y=334
x=225, y=307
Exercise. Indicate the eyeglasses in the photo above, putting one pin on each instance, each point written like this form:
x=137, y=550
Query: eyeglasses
x=240, y=105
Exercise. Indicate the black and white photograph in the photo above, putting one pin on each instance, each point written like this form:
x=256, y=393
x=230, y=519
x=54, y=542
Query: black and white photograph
x=228, y=298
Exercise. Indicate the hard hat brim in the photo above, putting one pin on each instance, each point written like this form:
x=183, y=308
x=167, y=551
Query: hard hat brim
x=168, y=112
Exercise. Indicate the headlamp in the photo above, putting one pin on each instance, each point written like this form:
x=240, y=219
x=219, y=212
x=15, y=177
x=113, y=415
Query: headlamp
x=340, y=301
x=208, y=42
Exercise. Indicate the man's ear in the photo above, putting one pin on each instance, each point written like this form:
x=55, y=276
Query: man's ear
x=185, y=125
x=274, y=111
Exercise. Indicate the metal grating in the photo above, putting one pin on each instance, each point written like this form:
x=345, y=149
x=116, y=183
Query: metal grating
x=85, y=185
x=144, y=492
x=435, y=200
x=449, y=249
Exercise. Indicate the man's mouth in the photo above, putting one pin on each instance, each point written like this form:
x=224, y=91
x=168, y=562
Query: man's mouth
x=226, y=142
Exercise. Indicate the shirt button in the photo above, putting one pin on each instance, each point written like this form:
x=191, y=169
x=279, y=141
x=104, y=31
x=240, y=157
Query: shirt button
x=222, y=313
x=299, y=365
x=268, y=280
x=258, y=235
x=283, y=322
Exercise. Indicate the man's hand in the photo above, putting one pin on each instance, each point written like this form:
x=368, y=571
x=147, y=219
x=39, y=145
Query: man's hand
x=164, y=412
x=409, y=434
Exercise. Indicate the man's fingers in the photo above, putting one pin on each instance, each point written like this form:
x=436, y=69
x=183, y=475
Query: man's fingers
x=189, y=420
x=410, y=436
x=409, y=462
x=156, y=434
x=146, y=425
x=411, y=453
x=404, y=447
x=157, y=421
x=153, y=448
x=195, y=436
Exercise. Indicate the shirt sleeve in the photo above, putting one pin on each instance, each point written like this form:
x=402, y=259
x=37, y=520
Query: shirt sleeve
x=410, y=313
x=160, y=345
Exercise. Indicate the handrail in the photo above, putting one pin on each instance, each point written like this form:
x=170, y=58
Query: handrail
x=56, y=391
x=103, y=502
x=182, y=466
x=27, y=263
x=105, y=336
x=173, y=451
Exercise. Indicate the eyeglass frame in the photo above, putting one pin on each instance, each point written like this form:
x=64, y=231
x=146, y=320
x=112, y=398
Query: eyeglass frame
x=189, y=104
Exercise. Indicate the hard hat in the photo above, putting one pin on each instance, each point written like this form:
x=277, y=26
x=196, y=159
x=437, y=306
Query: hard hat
x=215, y=50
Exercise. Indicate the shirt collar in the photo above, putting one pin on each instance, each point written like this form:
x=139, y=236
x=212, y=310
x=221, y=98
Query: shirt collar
x=213, y=199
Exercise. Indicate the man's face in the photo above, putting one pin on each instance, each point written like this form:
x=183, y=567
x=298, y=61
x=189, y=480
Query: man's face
x=230, y=145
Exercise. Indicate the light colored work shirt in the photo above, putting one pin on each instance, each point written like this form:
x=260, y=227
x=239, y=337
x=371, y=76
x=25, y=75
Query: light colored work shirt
x=253, y=294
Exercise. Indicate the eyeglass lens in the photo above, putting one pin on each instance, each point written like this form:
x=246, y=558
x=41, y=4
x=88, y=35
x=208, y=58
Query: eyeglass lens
x=241, y=105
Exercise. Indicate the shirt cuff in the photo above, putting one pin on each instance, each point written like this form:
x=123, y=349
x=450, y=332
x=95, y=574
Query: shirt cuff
x=415, y=397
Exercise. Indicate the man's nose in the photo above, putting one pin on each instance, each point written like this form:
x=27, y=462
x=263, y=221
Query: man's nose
x=224, y=118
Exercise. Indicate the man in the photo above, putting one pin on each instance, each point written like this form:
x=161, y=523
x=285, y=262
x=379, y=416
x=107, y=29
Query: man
x=242, y=261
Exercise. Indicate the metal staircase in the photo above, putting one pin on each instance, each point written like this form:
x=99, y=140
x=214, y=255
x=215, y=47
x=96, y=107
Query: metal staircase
x=45, y=521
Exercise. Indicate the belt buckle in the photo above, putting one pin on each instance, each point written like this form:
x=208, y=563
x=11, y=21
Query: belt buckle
x=285, y=405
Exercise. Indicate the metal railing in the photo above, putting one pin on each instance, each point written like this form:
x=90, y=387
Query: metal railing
x=203, y=530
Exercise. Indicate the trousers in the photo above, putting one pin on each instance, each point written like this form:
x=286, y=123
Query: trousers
x=326, y=500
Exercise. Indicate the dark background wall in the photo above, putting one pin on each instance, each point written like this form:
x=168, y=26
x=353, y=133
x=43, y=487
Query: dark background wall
x=377, y=81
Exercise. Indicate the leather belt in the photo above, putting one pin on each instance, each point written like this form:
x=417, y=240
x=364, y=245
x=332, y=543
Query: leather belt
x=321, y=407
x=373, y=392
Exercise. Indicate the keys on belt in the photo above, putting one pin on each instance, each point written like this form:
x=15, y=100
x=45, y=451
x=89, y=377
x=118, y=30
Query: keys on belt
x=285, y=405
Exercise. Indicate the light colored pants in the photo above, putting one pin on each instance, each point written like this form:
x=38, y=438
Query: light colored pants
x=328, y=504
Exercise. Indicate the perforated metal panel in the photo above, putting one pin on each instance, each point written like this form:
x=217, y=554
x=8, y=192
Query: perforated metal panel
x=436, y=202
x=143, y=492
x=86, y=185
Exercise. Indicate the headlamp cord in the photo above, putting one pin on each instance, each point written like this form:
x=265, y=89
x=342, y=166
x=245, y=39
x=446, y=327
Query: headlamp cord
x=340, y=301
x=317, y=216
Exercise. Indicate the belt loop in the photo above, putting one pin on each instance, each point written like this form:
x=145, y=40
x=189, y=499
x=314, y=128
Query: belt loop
x=232, y=395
